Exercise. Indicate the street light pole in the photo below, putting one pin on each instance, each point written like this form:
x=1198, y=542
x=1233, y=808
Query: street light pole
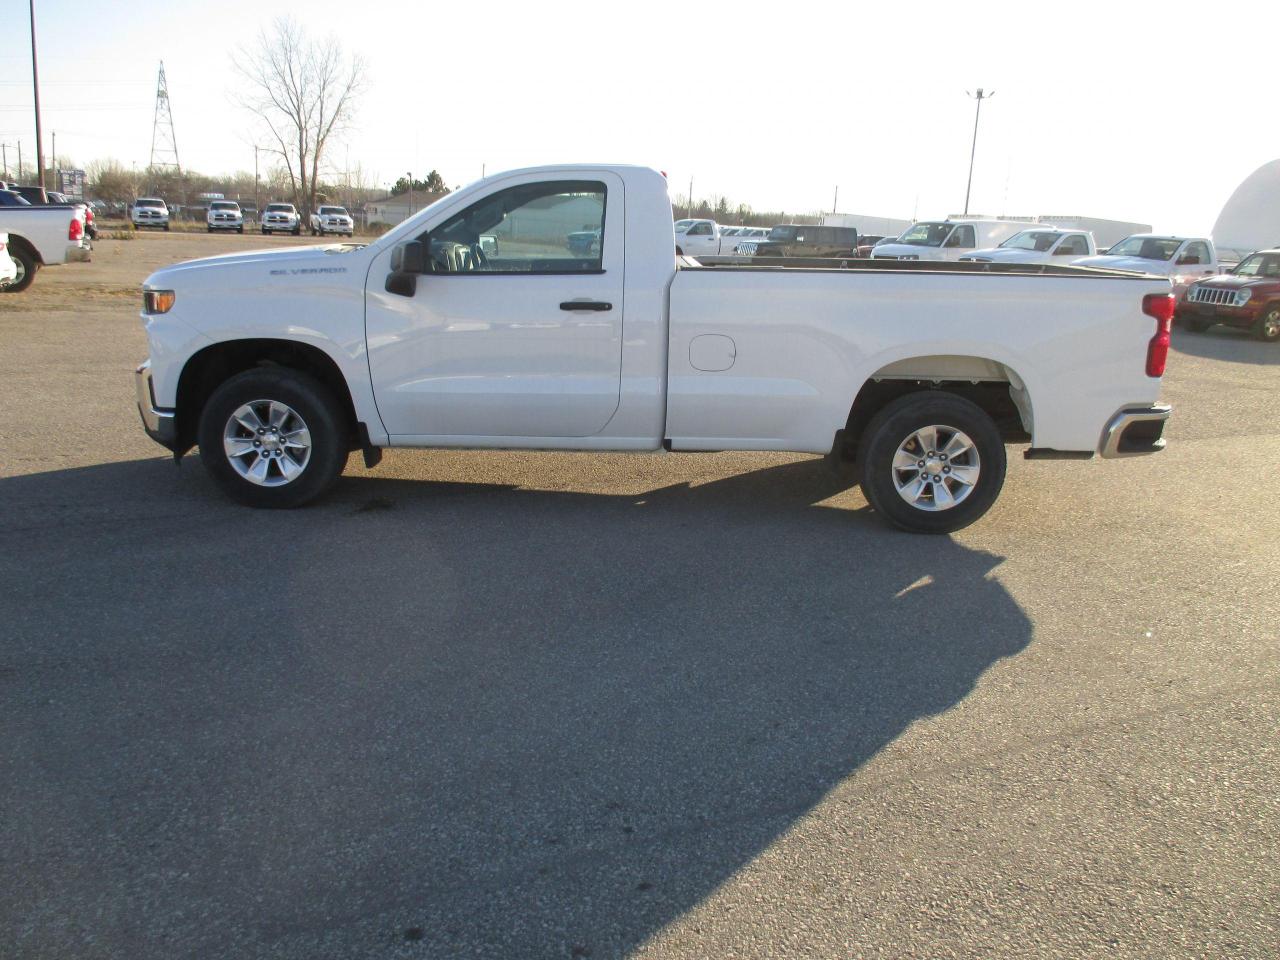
x=979, y=96
x=409, y=174
x=35, y=88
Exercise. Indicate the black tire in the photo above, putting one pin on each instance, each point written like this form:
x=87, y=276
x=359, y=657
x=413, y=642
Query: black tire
x=239, y=229
x=894, y=425
x=27, y=268
x=312, y=401
x=211, y=229
x=1267, y=329
x=166, y=228
x=297, y=231
x=265, y=231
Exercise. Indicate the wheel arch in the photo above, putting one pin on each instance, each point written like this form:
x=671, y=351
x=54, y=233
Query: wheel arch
x=208, y=368
x=991, y=383
x=17, y=240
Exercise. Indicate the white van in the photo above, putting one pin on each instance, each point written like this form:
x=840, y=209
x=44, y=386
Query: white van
x=947, y=239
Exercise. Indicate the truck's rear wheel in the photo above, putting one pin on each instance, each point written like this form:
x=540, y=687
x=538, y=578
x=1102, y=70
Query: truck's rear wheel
x=273, y=437
x=931, y=462
x=27, y=267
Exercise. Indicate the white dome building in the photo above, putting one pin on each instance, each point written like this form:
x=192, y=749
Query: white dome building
x=1251, y=218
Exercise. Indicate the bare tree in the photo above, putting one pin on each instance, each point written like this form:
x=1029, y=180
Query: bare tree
x=303, y=91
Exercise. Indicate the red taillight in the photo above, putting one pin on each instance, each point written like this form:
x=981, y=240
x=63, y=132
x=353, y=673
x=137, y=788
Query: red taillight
x=88, y=215
x=1160, y=306
x=76, y=230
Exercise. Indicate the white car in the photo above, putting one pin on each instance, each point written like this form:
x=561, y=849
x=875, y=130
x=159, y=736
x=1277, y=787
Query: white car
x=1184, y=260
x=8, y=265
x=150, y=212
x=1038, y=245
x=281, y=218
x=332, y=220
x=278, y=363
x=225, y=215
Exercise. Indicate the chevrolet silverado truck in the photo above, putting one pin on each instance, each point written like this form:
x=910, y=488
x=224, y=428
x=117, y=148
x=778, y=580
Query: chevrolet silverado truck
x=278, y=364
x=42, y=236
x=1040, y=245
x=1247, y=297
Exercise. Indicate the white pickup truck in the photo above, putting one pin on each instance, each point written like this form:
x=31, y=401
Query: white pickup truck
x=42, y=236
x=704, y=238
x=279, y=363
x=329, y=219
x=1038, y=245
x=1184, y=260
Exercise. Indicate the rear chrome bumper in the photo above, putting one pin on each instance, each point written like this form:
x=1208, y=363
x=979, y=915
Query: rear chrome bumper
x=161, y=425
x=1135, y=431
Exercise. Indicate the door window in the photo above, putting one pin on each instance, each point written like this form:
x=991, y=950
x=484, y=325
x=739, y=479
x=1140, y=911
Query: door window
x=548, y=227
x=1074, y=246
x=700, y=230
x=1195, y=253
x=962, y=237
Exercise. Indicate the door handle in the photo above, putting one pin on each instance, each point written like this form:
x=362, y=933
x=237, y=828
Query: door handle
x=593, y=305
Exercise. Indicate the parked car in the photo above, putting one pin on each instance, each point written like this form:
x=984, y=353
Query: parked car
x=278, y=363
x=582, y=243
x=8, y=266
x=329, y=219
x=39, y=236
x=866, y=244
x=225, y=215
x=1038, y=245
x=11, y=198
x=281, y=218
x=150, y=212
x=1248, y=297
x=947, y=239
x=90, y=220
x=803, y=240
x=1182, y=259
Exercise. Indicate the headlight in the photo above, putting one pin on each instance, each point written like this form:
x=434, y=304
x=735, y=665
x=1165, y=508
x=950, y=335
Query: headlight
x=158, y=301
x=1242, y=296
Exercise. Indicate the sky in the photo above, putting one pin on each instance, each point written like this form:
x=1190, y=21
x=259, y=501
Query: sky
x=1118, y=110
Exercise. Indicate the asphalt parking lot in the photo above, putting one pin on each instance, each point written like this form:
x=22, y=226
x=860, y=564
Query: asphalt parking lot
x=561, y=705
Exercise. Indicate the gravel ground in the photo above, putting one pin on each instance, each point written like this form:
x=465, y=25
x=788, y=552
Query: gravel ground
x=560, y=705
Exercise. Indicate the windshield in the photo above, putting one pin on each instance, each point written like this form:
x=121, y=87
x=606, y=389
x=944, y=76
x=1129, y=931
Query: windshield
x=1146, y=248
x=223, y=205
x=1037, y=240
x=782, y=233
x=1259, y=265
x=279, y=208
x=149, y=203
x=926, y=234
x=333, y=211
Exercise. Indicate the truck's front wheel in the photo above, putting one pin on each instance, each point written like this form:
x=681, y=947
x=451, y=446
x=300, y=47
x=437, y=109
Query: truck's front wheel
x=931, y=462
x=26, y=265
x=273, y=437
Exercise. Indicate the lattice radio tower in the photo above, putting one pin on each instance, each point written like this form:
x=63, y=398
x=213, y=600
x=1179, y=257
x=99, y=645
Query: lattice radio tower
x=164, y=143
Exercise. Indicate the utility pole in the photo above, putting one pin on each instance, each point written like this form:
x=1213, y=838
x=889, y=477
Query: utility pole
x=53, y=163
x=835, y=202
x=690, y=196
x=256, y=205
x=977, y=114
x=35, y=90
x=4, y=154
x=410, y=176
x=19, y=161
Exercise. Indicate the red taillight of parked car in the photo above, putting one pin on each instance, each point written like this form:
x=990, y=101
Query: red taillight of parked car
x=1160, y=306
x=76, y=230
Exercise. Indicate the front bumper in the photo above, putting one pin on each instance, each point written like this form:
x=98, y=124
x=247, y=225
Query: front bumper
x=1245, y=315
x=1135, y=431
x=161, y=425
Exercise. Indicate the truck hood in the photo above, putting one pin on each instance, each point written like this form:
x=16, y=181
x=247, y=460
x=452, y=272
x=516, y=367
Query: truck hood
x=1231, y=281
x=1131, y=264
x=292, y=257
x=1009, y=255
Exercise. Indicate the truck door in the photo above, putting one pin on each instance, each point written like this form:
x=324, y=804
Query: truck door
x=515, y=335
x=701, y=240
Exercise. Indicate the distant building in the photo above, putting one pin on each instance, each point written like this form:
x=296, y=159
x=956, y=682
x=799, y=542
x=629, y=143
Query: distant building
x=396, y=209
x=865, y=224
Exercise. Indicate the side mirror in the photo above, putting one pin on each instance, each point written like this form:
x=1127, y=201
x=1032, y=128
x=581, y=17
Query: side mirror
x=407, y=261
